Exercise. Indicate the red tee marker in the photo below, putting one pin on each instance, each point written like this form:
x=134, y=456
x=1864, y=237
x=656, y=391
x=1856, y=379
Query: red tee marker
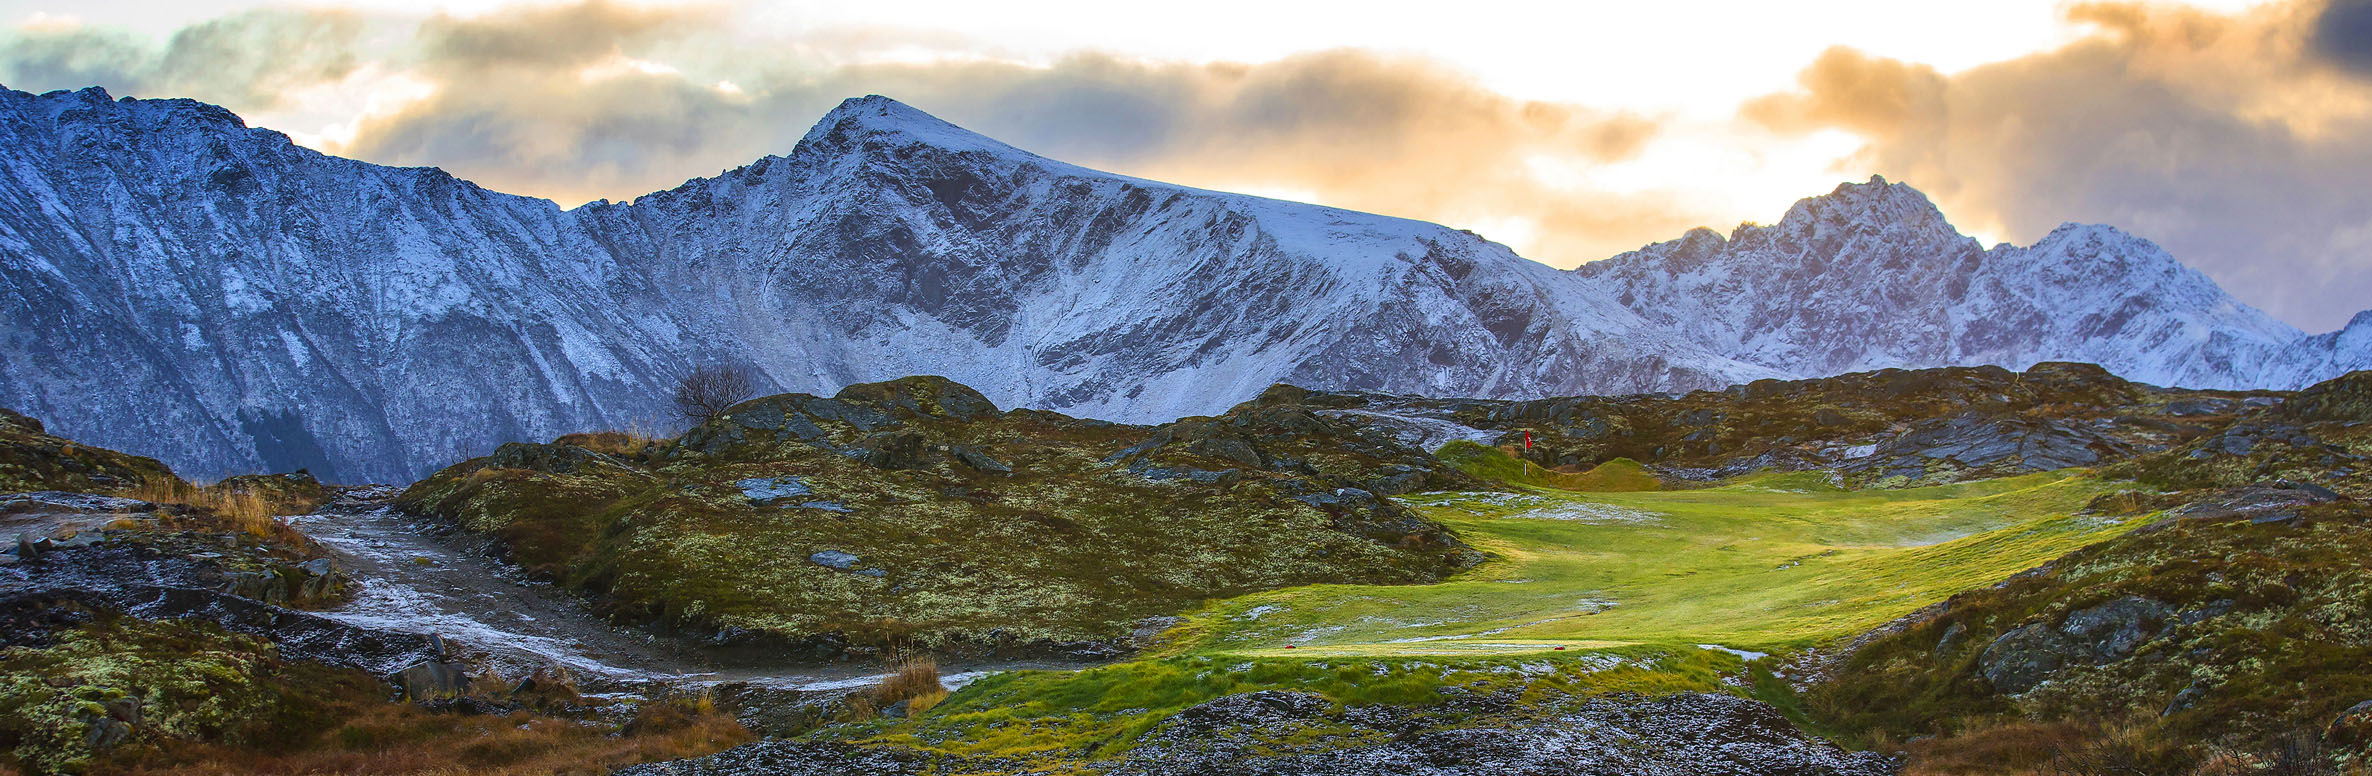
x=1527, y=440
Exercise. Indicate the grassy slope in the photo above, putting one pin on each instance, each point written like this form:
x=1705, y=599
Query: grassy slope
x=1767, y=563
x=1707, y=569
x=1620, y=474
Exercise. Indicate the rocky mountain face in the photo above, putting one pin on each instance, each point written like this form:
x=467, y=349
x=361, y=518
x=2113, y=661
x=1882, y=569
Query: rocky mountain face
x=177, y=283
x=1871, y=276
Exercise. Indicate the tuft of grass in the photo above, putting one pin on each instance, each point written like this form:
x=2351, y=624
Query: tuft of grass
x=240, y=510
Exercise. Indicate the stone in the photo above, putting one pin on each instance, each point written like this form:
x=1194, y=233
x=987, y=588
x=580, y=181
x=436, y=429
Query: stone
x=973, y=457
x=2026, y=657
x=760, y=491
x=833, y=559
x=901, y=449
x=429, y=680
x=2115, y=629
x=1950, y=641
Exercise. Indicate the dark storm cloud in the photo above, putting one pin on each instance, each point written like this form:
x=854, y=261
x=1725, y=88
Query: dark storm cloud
x=2217, y=136
x=2343, y=33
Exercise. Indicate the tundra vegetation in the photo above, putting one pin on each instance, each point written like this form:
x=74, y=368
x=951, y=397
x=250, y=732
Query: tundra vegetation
x=1942, y=571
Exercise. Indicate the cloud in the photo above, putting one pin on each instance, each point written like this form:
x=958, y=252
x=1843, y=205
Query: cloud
x=250, y=59
x=2231, y=140
x=604, y=100
x=2343, y=33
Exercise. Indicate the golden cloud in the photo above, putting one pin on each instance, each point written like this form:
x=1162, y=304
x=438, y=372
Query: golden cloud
x=2232, y=140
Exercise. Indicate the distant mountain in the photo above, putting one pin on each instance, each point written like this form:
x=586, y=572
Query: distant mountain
x=175, y=283
x=1872, y=276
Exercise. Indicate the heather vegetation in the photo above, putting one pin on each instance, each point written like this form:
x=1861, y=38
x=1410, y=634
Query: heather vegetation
x=1956, y=571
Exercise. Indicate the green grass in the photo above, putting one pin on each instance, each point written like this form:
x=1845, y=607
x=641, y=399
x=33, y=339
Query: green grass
x=1586, y=593
x=1769, y=563
x=1048, y=717
x=1491, y=463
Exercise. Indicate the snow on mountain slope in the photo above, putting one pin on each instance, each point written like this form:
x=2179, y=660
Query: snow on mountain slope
x=1872, y=276
x=176, y=283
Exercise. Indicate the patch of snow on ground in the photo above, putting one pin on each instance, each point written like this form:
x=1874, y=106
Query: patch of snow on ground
x=1747, y=655
x=1591, y=513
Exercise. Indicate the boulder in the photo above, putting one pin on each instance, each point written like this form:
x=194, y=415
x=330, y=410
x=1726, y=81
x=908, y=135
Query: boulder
x=430, y=680
x=2034, y=653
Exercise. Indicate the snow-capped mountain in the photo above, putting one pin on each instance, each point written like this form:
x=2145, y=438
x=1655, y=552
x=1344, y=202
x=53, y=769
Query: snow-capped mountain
x=176, y=283
x=1872, y=276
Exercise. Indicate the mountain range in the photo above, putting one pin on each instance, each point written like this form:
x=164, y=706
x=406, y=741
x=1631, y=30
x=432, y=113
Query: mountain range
x=176, y=283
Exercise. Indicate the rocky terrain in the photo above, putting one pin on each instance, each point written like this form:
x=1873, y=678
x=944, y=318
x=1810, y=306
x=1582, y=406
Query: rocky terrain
x=721, y=601
x=1889, y=428
x=174, y=281
x=881, y=495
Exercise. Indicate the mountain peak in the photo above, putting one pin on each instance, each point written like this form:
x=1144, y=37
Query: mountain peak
x=883, y=119
x=1877, y=202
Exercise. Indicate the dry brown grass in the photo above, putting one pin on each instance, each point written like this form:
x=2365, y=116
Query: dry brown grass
x=241, y=511
x=629, y=443
x=913, y=679
x=389, y=739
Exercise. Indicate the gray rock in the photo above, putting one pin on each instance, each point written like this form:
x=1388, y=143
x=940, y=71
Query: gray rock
x=833, y=559
x=976, y=459
x=2026, y=656
x=766, y=490
x=2114, y=629
x=2034, y=653
x=430, y=680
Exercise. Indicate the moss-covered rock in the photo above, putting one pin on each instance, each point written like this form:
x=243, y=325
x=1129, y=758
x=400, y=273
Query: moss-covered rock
x=913, y=512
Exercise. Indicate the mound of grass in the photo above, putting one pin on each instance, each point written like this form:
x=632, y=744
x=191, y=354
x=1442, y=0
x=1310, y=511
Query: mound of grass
x=32, y=459
x=1491, y=463
x=2270, y=632
x=129, y=696
x=865, y=518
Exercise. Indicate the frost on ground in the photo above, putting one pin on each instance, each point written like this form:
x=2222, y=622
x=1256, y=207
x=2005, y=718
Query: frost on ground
x=1591, y=513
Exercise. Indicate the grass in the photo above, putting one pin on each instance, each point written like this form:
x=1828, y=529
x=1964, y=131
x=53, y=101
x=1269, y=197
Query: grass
x=1491, y=463
x=213, y=702
x=1768, y=563
x=242, y=510
x=1053, y=717
x=1586, y=593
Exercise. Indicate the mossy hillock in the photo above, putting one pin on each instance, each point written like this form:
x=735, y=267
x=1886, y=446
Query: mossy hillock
x=31, y=459
x=2235, y=631
x=914, y=513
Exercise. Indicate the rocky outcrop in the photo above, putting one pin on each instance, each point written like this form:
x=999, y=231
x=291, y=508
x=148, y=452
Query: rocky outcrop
x=1285, y=733
x=2033, y=653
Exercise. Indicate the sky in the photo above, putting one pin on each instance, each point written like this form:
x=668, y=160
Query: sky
x=2235, y=133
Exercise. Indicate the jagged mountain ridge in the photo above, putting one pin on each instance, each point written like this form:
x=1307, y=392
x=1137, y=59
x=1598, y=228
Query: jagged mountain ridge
x=177, y=283
x=1872, y=276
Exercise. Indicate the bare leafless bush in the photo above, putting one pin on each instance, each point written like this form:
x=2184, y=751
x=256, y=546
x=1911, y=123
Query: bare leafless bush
x=707, y=391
